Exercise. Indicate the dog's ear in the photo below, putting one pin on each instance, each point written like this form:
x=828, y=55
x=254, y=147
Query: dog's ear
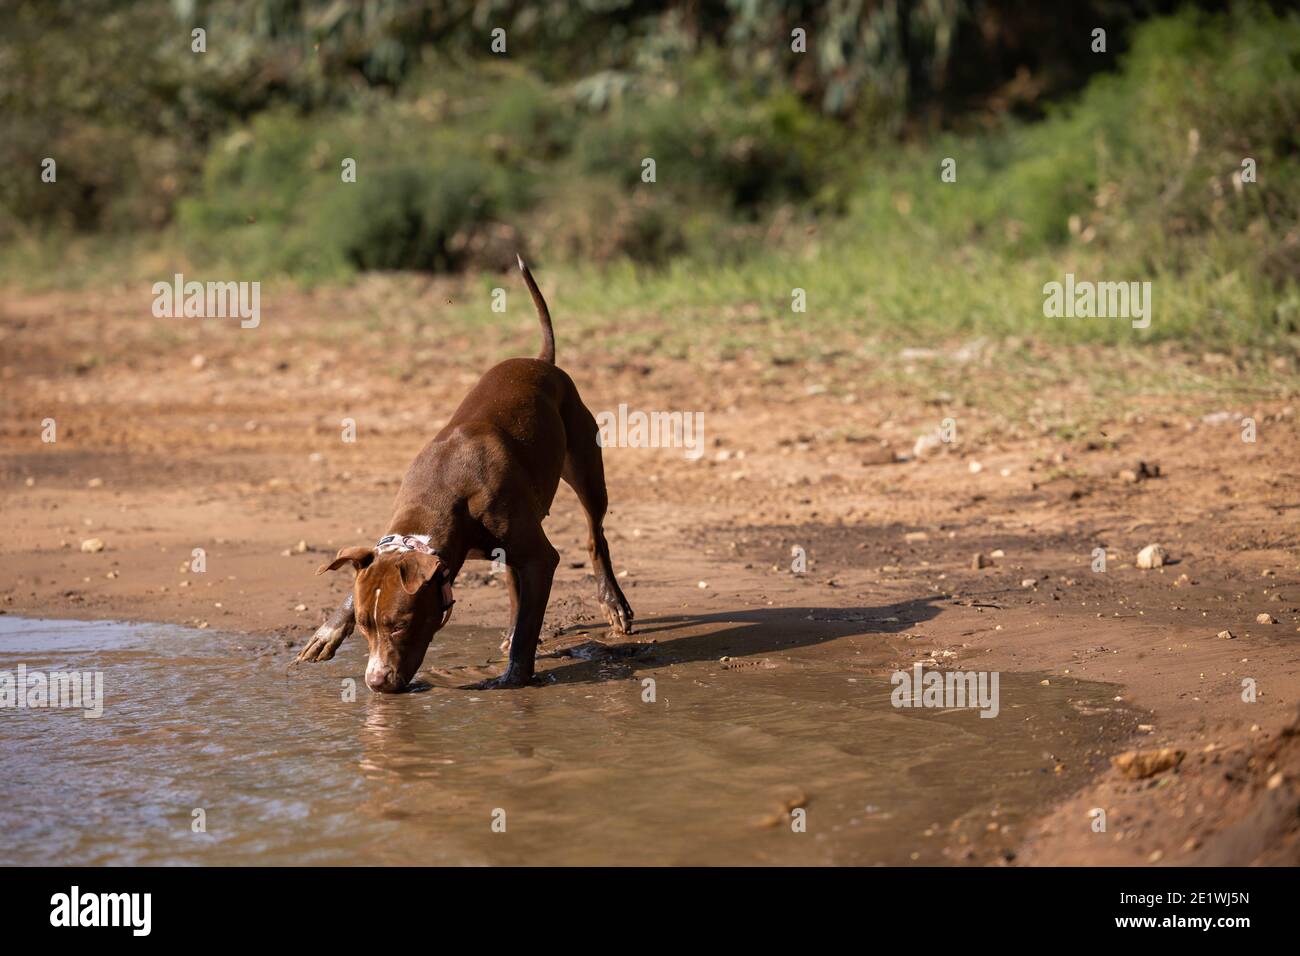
x=359, y=557
x=416, y=569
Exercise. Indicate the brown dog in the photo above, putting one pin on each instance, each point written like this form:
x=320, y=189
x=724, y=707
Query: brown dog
x=483, y=485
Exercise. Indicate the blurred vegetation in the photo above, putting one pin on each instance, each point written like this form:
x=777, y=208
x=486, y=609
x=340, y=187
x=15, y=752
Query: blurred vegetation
x=774, y=169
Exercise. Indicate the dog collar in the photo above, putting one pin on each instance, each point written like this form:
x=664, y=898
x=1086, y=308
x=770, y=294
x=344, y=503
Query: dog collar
x=406, y=542
x=420, y=542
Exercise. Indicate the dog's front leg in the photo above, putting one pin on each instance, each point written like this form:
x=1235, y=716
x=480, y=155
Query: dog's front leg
x=533, y=586
x=331, y=634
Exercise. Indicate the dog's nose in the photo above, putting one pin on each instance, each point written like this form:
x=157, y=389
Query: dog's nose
x=383, y=680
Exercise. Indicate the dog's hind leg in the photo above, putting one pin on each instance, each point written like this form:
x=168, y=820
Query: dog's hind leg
x=331, y=634
x=584, y=472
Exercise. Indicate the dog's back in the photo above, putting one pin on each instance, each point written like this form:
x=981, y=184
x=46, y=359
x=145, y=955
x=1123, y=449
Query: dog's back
x=523, y=410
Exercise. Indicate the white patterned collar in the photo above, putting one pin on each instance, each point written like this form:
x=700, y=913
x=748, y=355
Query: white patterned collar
x=405, y=542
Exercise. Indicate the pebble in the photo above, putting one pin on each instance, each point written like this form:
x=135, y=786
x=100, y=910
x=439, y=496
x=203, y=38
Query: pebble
x=1141, y=472
x=300, y=607
x=979, y=561
x=1265, y=619
x=1028, y=582
x=1227, y=635
x=1140, y=764
x=1152, y=556
x=927, y=443
x=92, y=545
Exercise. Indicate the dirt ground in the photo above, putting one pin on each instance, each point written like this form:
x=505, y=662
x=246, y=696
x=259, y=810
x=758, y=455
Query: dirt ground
x=172, y=437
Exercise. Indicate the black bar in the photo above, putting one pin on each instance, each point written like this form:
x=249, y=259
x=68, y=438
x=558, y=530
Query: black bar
x=919, y=906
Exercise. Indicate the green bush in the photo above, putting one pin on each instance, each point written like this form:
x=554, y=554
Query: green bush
x=713, y=138
x=273, y=195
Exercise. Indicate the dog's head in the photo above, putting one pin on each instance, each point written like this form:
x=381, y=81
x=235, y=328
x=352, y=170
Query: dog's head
x=401, y=599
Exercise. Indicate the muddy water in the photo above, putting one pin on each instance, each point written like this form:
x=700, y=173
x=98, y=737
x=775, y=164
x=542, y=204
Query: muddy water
x=287, y=770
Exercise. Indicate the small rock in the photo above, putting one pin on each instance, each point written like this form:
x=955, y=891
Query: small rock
x=997, y=553
x=1220, y=418
x=1152, y=556
x=301, y=547
x=914, y=536
x=1265, y=619
x=300, y=607
x=1227, y=635
x=1141, y=472
x=702, y=585
x=927, y=443
x=975, y=467
x=979, y=560
x=95, y=483
x=198, y=361
x=92, y=545
x=1140, y=764
x=1028, y=582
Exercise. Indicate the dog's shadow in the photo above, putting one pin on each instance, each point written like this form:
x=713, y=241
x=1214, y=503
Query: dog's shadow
x=750, y=633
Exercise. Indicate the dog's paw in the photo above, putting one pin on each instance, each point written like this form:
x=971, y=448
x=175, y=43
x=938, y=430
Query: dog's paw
x=510, y=680
x=323, y=644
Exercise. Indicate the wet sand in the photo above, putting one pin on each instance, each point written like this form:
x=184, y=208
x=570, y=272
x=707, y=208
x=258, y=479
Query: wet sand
x=239, y=454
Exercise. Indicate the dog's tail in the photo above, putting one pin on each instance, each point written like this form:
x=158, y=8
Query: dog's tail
x=543, y=314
